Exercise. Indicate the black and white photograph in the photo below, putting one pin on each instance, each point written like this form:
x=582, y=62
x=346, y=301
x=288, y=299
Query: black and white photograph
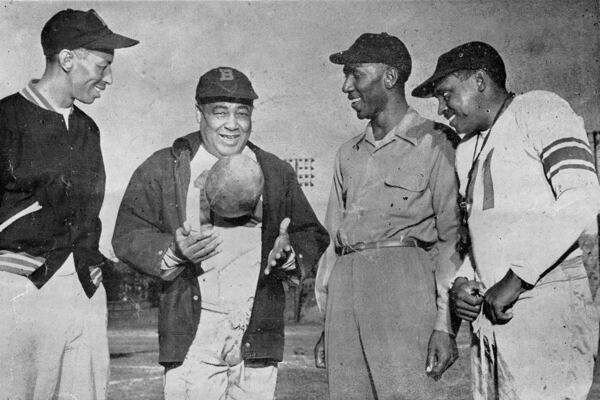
x=299, y=200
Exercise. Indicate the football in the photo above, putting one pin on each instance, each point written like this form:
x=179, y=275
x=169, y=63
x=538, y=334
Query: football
x=233, y=186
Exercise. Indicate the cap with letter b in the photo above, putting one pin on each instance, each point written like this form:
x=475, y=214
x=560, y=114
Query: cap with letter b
x=225, y=84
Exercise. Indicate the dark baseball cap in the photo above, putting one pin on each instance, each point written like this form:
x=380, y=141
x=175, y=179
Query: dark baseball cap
x=376, y=48
x=472, y=55
x=72, y=29
x=225, y=84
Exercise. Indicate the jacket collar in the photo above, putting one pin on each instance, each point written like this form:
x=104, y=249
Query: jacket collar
x=190, y=142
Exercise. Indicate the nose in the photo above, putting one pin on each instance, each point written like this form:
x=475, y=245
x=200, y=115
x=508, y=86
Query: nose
x=231, y=122
x=107, y=76
x=348, y=85
x=442, y=107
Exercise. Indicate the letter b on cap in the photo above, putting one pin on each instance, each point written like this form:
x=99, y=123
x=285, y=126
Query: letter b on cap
x=226, y=74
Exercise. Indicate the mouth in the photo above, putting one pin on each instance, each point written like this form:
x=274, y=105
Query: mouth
x=450, y=116
x=229, y=138
x=354, y=102
x=99, y=89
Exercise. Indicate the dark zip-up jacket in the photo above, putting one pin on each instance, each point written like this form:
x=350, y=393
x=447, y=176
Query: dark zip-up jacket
x=152, y=209
x=62, y=169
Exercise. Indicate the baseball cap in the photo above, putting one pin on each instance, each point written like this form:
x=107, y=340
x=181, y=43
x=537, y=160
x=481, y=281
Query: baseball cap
x=225, y=84
x=72, y=29
x=376, y=48
x=472, y=55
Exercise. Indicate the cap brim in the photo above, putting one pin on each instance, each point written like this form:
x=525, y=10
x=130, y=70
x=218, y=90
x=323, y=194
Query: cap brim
x=111, y=41
x=346, y=57
x=338, y=58
x=217, y=99
x=427, y=88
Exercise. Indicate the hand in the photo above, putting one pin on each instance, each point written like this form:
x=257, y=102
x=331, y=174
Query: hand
x=500, y=298
x=196, y=246
x=441, y=354
x=320, y=352
x=466, y=297
x=49, y=189
x=281, y=249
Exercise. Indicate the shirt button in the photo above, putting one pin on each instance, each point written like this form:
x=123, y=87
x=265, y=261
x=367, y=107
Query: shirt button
x=195, y=298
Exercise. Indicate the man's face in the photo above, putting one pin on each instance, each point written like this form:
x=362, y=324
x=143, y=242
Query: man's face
x=458, y=100
x=225, y=127
x=90, y=74
x=364, y=86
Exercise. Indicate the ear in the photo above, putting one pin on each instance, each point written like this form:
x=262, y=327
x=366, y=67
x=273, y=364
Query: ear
x=481, y=80
x=66, y=60
x=390, y=77
x=198, y=113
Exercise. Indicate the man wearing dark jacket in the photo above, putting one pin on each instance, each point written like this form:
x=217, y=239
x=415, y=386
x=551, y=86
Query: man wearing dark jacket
x=224, y=343
x=53, y=340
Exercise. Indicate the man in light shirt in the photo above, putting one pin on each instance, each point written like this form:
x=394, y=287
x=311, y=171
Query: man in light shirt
x=53, y=341
x=221, y=311
x=392, y=216
x=529, y=190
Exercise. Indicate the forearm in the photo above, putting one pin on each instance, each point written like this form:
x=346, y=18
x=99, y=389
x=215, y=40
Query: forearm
x=552, y=233
x=448, y=259
x=143, y=250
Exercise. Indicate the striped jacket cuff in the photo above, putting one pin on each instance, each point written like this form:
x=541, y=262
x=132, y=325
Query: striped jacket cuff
x=19, y=263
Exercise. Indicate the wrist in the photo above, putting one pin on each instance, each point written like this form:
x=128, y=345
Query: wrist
x=459, y=281
x=174, y=248
x=516, y=281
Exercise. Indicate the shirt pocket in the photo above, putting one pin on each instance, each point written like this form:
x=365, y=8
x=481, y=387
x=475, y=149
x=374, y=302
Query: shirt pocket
x=403, y=190
x=414, y=182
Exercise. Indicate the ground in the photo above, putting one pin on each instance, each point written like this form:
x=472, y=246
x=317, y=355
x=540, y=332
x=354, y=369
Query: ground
x=135, y=374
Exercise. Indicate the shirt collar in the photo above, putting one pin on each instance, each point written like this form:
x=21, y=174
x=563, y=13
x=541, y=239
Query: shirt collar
x=403, y=130
x=36, y=97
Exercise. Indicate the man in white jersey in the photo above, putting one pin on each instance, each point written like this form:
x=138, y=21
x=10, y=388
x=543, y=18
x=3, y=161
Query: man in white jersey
x=529, y=190
x=221, y=311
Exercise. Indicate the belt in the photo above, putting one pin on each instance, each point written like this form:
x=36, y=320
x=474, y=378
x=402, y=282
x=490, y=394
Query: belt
x=382, y=244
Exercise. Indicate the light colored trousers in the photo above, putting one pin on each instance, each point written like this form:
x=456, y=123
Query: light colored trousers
x=546, y=351
x=205, y=375
x=53, y=340
x=381, y=309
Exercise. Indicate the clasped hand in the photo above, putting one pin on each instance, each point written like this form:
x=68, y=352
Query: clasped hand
x=468, y=297
x=196, y=246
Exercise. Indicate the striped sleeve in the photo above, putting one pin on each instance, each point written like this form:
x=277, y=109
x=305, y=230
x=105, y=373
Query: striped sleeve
x=559, y=138
x=567, y=153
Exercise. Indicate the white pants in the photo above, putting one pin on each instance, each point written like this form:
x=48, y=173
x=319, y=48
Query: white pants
x=547, y=351
x=220, y=382
x=206, y=375
x=53, y=341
